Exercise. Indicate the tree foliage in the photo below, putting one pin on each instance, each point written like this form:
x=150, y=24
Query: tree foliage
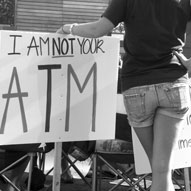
x=7, y=12
x=119, y=29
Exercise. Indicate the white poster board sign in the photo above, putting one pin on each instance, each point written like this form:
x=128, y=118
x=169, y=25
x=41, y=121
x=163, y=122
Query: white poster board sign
x=57, y=88
x=182, y=153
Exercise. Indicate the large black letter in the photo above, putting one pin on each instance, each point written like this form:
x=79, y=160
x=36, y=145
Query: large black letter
x=93, y=71
x=44, y=42
x=14, y=45
x=10, y=95
x=33, y=46
x=49, y=91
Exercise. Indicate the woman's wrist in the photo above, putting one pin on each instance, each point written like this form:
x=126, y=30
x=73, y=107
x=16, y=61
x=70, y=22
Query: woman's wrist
x=72, y=28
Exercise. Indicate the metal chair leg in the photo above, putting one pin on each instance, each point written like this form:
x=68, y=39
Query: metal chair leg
x=30, y=170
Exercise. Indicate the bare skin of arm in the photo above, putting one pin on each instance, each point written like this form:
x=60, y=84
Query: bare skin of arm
x=95, y=29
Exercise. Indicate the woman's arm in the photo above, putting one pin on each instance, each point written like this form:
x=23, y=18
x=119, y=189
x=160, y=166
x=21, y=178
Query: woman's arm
x=95, y=29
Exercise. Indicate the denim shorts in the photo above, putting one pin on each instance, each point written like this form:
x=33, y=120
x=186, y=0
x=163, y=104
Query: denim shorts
x=142, y=103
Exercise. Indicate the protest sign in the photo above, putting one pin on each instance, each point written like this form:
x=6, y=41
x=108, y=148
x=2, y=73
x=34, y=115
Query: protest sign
x=57, y=88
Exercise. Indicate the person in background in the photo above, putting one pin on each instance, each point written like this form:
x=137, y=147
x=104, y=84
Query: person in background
x=155, y=82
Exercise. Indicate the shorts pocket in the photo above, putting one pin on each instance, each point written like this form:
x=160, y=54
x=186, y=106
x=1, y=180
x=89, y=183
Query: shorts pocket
x=177, y=96
x=135, y=104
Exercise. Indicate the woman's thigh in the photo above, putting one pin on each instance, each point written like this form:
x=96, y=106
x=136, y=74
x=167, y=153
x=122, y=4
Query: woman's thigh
x=166, y=131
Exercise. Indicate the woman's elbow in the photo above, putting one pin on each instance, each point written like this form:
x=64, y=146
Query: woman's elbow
x=100, y=33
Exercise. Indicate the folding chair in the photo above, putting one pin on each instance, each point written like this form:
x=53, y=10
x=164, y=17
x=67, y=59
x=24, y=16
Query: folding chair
x=80, y=151
x=179, y=179
x=113, y=156
x=24, y=152
x=119, y=150
x=11, y=161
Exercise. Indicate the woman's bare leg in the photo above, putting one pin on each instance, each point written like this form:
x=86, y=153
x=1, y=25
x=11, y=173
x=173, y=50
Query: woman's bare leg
x=158, y=142
x=145, y=135
x=166, y=132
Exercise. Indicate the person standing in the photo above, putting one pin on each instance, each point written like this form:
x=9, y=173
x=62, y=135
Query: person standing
x=154, y=78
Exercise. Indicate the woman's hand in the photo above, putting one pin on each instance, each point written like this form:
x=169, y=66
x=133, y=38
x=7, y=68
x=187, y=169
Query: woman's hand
x=65, y=29
x=185, y=61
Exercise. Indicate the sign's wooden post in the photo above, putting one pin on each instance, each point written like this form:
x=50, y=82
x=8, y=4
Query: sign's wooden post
x=57, y=167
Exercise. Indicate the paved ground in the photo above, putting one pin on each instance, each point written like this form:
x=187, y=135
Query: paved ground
x=106, y=184
x=79, y=185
